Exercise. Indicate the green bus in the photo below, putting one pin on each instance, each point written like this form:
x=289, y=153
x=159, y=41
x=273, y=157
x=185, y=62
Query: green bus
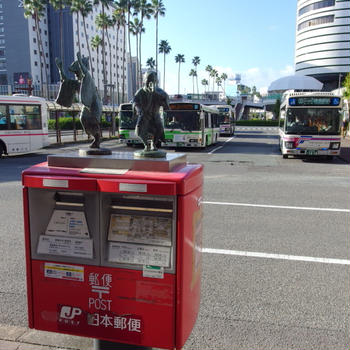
x=127, y=124
x=190, y=125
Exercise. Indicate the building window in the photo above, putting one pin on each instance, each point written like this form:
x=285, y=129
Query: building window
x=35, y=63
x=316, y=6
x=2, y=29
x=35, y=52
x=2, y=53
x=34, y=40
x=2, y=41
x=316, y=21
x=2, y=65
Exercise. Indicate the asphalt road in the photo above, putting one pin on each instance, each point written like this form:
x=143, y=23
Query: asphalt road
x=276, y=255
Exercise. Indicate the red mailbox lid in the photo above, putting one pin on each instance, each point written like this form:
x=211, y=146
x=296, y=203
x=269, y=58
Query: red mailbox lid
x=178, y=182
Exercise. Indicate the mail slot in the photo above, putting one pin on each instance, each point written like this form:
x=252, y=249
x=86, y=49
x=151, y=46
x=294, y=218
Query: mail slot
x=114, y=253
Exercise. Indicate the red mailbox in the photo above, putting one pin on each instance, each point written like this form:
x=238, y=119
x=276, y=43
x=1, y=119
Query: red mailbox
x=113, y=247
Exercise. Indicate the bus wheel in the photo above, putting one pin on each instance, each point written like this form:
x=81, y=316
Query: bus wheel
x=329, y=158
x=285, y=156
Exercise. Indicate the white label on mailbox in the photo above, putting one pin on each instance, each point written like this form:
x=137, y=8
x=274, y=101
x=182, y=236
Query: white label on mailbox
x=140, y=229
x=68, y=223
x=64, y=272
x=139, y=254
x=65, y=246
x=55, y=183
x=132, y=187
x=153, y=271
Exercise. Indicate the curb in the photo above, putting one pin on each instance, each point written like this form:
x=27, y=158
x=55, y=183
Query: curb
x=22, y=338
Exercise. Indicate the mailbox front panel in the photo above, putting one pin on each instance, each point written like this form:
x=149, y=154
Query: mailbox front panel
x=105, y=303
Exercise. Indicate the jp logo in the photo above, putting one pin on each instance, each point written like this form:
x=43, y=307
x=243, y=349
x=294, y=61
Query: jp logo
x=68, y=312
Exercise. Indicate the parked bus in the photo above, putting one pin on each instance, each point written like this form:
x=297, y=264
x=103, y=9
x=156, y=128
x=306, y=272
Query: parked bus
x=190, y=125
x=127, y=124
x=226, y=119
x=23, y=124
x=312, y=124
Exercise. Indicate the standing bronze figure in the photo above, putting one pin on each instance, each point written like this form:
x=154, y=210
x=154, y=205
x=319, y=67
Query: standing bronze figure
x=90, y=115
x=149, y=126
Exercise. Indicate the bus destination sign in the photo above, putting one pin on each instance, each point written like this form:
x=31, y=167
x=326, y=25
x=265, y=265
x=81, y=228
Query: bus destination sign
x=184, y=106
x=314, y=101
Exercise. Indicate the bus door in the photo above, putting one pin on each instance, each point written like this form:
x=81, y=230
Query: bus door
x=203, y=118
x=18, y=139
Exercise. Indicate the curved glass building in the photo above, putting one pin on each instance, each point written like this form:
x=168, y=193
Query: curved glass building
x=322, y=47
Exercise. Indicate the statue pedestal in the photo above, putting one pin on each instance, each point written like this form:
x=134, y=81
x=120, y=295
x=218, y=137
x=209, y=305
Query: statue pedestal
x=117, y=161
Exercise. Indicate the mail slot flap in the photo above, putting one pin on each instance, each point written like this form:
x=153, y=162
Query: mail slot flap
x=137, y=186
x=60, y=182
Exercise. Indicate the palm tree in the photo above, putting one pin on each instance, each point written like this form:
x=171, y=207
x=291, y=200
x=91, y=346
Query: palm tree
x=196, y=61
x=164, y=48
x=119, y=20
x=151, y=63
x=84, y=7
x=193, y=74
x=134, y=28
x=218, y=82
x=146, y=10
x=104, y=4
x=158, y=10
x=96, y=42
x=208, y=69
x=179, y=59
x=213, y=74
x=224, y=77
x=36, y=10
x=103, y=22
x=205, y=83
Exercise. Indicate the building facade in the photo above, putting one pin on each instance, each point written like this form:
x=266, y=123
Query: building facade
x=78, y=34
x=19, y=46
x=322, y=48
x=20, y=54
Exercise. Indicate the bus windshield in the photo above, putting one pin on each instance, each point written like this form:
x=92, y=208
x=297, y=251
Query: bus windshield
x=127, y=120
x=313, y=121
x=184, y=120
x=224, y=118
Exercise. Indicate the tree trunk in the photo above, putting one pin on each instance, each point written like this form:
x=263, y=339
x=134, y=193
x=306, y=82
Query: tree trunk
x=157, y=44
x=164, y=74
x=88, y=47
x=123, y=84
x=117, y=65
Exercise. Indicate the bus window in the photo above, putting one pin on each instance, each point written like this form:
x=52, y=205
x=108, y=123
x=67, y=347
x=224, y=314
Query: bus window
x=33, y=117
x=3, y=118
x=206, y=119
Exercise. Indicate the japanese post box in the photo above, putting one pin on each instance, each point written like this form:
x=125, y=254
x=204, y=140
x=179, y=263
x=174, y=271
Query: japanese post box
x=113, y=247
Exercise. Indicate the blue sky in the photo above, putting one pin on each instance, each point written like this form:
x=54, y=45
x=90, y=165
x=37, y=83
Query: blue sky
x=253, y=38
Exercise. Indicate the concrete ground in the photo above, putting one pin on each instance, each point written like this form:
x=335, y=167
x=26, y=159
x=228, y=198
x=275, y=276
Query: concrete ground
x=21, y=338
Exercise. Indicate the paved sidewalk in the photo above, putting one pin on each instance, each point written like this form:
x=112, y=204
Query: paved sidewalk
x=22, y=338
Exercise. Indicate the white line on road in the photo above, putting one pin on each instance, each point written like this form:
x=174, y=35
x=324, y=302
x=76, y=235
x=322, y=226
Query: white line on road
x=276, y=256
x=278, y=206
x=217, y=148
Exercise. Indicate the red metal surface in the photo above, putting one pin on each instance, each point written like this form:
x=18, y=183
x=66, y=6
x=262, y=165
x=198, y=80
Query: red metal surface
x=132, y=309
x=28, y=257
x=189, y=264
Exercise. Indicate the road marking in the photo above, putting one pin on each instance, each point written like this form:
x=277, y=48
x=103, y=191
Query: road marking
x=276, y=256
x=278, y=206
x=217, y=148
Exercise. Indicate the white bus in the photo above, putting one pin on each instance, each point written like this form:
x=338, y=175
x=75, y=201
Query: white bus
x=226, y=119
x=312, y=124
x=23, y=124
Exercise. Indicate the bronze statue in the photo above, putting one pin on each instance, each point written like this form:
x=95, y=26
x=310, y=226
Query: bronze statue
x=146, y=104
x=90, y=115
